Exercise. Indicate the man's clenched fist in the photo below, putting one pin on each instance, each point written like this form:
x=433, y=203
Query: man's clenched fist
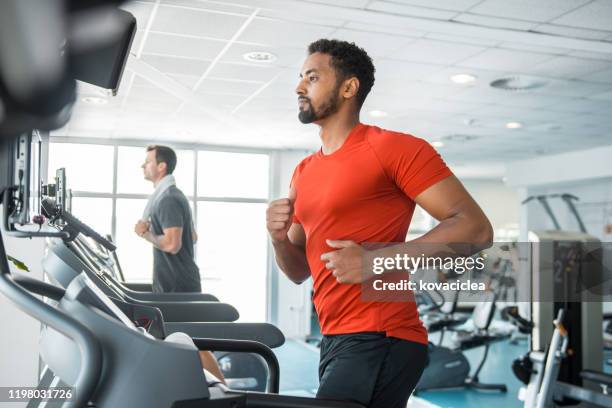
x=279, y=216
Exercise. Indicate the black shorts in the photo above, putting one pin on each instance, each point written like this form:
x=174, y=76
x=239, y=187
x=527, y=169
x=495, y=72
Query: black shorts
x=370, y=368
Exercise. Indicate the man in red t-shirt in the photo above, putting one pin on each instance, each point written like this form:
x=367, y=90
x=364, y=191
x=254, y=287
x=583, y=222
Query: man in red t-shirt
x=362, y=187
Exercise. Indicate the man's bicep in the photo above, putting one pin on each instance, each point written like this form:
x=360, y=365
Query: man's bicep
x=445, y=198
x=296, y=235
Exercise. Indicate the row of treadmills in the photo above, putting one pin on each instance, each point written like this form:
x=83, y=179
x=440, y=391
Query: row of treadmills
x=109, y=344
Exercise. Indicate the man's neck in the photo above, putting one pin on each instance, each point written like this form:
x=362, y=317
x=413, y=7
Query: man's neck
x=157, y=181
x=335, y=130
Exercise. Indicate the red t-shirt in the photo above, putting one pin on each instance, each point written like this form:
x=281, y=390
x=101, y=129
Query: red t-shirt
x=363, y=192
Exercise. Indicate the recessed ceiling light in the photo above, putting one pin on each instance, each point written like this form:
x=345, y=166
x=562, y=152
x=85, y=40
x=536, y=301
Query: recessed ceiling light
x=378, y=113
x=437, y=143
x=514, y=125
x=259, y=56
x=94, y=100
x=463, y=78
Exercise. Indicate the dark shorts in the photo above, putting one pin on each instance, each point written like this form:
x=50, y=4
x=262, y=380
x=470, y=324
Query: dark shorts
x=370, y=368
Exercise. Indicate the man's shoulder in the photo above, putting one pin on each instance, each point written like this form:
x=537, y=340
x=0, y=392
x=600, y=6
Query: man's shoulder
x=390, y=140
x=172, y=195
x=304, y=163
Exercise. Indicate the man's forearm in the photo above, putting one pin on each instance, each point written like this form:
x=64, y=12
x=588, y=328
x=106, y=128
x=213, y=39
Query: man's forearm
x=291, y=259
x=156, y=240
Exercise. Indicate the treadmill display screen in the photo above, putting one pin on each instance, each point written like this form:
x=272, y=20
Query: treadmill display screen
x=106, y=301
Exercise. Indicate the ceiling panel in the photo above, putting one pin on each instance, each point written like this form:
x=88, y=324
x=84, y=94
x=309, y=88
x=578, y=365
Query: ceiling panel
x=461, y=39
x=392, y=70
x=529, y=100
x=604, y=76
x=457, y=5
x=487, y=21
x=573, y=32
x=283, y=33
x=533, y=48
x=377, y=45
x=506, y=60
x=569, y=67
x=230, y=7
x=195, y=22
x=417, y=89
x=596, y=15
x=182, y=46
x=436, y=52
x=217, y=86
x=607, y=95
x=172, y=65
x=404, y=31
x=248, y=72
x=591, y=55
x=188, y=81
x=584, y=106
x=342, y=3
x=572, y=88
x=408, y=10
x=529, y=10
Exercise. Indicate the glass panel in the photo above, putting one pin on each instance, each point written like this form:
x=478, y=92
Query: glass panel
x=223, y=174
x=234, y=269
x=95, y=212
x=135, y=254
x=131, y=180
x=88, y=167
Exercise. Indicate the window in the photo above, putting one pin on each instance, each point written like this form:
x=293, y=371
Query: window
x=228, y=205
x=95, y=212
x=223, y=174
x=88, y=167
x=135, y=254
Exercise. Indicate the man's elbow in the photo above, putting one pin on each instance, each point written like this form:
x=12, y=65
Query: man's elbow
x=173, y=248
x=484, y=234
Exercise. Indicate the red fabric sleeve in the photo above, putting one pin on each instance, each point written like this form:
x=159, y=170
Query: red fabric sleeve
x=412, y=163
x=294, y=177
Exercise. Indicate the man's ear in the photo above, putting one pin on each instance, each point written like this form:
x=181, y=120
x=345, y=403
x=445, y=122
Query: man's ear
x=350, y=88
x=163, y=166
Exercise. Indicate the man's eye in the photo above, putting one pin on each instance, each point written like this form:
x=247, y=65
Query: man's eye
x=312, y=78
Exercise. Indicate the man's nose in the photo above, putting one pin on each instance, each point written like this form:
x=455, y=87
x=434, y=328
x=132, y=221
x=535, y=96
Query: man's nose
x=300, y=89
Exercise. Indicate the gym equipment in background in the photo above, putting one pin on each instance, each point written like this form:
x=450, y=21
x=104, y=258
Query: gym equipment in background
x=449, y=368
x=540, y=372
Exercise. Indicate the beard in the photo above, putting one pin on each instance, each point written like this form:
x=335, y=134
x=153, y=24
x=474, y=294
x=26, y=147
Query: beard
x=327, y=108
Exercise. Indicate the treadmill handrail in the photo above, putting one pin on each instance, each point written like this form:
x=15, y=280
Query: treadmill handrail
x=89, y=348
x=249, y=346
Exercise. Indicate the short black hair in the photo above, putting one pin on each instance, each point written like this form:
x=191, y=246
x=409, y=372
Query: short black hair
x=348, y=60
x=164, y=154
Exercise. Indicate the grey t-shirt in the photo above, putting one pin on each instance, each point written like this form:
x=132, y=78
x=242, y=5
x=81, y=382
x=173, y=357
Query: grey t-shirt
x=174, y=273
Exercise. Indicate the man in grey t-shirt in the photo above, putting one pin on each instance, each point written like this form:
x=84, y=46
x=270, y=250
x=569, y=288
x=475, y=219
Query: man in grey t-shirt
x=168, y=225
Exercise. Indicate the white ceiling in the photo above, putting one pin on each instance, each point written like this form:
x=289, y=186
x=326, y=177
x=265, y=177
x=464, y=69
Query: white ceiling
x=187, y=79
